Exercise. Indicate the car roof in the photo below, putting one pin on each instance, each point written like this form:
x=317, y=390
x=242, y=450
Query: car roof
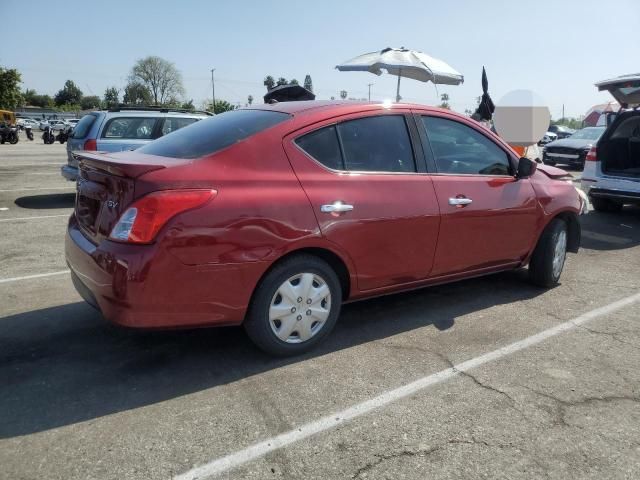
x=337, y=106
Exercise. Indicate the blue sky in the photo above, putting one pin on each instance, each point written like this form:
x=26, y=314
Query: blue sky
x=556, y=48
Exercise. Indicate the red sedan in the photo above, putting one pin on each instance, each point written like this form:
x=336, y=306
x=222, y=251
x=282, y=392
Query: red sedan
x=273, y=216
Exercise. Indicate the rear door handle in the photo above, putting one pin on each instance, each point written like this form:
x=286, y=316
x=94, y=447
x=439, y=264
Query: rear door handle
x=336, y=207
x=460, y=201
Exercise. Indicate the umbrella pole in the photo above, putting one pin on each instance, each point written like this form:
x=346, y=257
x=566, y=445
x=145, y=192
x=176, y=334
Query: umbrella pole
x=398, y=88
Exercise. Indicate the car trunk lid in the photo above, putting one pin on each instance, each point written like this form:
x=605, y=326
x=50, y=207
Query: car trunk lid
x=625, y=89
x=106, y=186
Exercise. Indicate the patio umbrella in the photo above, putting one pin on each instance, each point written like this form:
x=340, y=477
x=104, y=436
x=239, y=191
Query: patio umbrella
x=486, y=107
x=404, y=63
x=288, y=93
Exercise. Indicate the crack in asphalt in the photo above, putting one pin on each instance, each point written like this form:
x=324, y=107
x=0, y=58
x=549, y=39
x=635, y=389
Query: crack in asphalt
x=424, y=452
x=613, y=335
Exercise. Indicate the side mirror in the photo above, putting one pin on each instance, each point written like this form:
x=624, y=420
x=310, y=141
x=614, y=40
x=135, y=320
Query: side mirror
x=526, y=168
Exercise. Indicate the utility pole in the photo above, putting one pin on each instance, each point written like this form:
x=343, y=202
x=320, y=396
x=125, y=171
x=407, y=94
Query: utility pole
x=369, y=85
x=213, y=92
x=563, y=111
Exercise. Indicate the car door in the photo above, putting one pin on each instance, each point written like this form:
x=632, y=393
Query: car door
x=365, y=178
x=489, y=217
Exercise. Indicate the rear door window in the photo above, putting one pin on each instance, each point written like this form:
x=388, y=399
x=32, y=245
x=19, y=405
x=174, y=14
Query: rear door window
x=84, y=125
x=460, y=150
x=323, y=145
x=171, y=124
x=131, y=128
x=370, y=144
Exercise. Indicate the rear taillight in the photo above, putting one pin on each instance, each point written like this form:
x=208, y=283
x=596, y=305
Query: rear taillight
x=142, y=221
x=90, y=144
x=592, y=156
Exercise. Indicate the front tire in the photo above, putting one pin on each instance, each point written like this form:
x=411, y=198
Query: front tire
x=295, y=306
x=547, y=260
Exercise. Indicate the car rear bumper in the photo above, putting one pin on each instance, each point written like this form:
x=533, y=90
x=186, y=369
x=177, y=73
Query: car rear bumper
x=145, y=286
x=621, y=195
x=69, y=172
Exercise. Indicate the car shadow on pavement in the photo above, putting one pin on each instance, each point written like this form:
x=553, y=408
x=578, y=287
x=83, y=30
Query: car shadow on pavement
x=55, y=200
x=66, y=364
x=611, y=230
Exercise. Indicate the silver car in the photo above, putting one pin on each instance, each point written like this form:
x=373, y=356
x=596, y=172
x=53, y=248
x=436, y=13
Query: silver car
x=122, y=129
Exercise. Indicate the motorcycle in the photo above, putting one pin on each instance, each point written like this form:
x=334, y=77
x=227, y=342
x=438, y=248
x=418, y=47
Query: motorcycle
x=29, y=132
x=64, y=134
x=48, y=136
x=9, y=133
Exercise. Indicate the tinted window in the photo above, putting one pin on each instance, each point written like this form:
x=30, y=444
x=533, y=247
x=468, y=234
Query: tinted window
x=377, y=144
x=83, y=126
x=459, y=149
x=208, y=136
x=129, y=128
x=323, y=146
x=171, y=124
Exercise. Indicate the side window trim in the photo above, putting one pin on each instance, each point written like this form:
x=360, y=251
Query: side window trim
x=434, y=166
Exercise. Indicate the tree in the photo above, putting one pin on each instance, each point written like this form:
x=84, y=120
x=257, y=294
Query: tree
x=293, y=81
x=445, y=101
x=69, y=95
x=269, y=82
x=92, y=101
x=308, y=84
x=250, y=99
x=111, y=97
x=188, y=106
x=343, y=94
x=10, y=96
x=221, y=106
x=161, y=78
x=281, y=81
x=35, y=100
x=136, y=94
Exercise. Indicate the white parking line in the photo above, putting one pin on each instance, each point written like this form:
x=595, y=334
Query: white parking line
x=329, y=422
x=38, y=188
x=29, y=277
x=34, y=218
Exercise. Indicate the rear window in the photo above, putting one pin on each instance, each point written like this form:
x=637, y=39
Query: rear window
x=83, y=126
x=208, y=136
x=134, y=128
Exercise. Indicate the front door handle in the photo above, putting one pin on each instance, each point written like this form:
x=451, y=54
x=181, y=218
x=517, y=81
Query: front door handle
x=336, y=207
x=460, y=202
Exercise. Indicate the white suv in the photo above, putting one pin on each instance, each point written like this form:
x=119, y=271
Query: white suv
x=611, y=176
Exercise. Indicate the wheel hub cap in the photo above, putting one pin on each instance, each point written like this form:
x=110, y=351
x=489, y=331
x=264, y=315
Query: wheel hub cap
x=559, y=253
x=299, y=308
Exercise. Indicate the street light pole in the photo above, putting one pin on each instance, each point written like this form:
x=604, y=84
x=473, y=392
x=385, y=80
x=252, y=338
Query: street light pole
x=369, y=85
x=213, y=92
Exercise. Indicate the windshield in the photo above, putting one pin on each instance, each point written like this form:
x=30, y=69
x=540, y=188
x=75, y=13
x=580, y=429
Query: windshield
x=590, y=133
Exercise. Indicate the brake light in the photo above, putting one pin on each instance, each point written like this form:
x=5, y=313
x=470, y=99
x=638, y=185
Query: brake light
x=142, y=221
x=90, y=144
x=592, y=156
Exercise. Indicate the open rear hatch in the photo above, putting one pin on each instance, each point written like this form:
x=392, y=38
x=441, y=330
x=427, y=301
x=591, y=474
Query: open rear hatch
x=619, y=148
x=106, y=186
x=625, y=89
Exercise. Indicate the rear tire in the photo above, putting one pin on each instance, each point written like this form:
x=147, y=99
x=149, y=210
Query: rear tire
x=605, y=205
x=547, y=260
x=295, y=306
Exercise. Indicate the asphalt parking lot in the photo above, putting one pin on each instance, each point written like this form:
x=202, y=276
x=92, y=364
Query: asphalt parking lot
x=411, y=386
